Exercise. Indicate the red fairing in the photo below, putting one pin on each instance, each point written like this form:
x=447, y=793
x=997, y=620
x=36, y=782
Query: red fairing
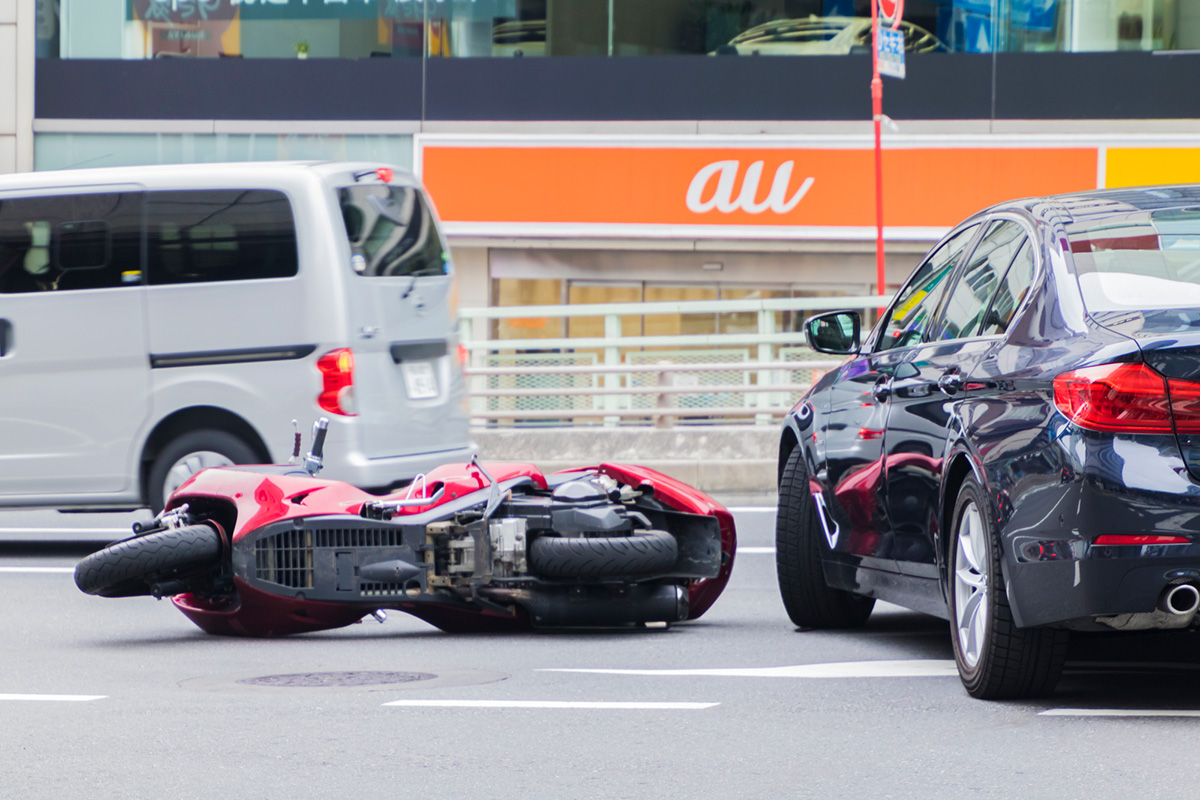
x=262, y=497
x=678, y=495
x=256, y=613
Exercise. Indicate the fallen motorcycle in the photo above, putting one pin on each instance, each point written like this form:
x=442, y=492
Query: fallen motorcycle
x=274, y=550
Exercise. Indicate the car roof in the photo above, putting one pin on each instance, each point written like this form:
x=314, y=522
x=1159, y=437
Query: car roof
x=1096, y=203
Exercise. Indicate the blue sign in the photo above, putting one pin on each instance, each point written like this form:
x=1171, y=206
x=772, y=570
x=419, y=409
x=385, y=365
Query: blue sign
x=891, y=52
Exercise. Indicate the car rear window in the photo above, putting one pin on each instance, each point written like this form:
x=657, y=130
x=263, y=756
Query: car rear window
x=391, y=231
x=1145, y=260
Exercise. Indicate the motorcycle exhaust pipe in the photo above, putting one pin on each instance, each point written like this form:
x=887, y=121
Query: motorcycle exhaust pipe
x=600, y=606
x=1180, y=600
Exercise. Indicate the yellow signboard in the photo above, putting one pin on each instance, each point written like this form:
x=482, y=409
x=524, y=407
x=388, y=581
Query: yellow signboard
x=1151, y=166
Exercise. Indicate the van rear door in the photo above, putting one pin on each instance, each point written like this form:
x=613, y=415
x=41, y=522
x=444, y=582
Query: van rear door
x=408, y=385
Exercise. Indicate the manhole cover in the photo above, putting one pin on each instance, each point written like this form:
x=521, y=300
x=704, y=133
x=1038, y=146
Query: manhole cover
x=326, y=679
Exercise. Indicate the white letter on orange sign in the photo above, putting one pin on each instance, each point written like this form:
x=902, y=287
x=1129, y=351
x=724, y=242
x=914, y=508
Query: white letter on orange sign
x=724, y=192
x=723, y=196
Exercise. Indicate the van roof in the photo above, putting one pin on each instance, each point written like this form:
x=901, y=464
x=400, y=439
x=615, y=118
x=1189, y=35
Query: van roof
x=159, y=173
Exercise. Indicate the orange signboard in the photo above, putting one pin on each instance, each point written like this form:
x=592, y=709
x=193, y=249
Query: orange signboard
x=820, y=187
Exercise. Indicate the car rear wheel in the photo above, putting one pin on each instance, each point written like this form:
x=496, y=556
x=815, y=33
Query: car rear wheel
x=186, y=455
x=799, y=545
x=995, y=658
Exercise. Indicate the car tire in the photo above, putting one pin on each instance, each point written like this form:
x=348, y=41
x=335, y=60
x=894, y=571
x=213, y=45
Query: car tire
x=996, y=659
x=129, y=567
x=188, y=454
x=594, y=557
x=799, y=546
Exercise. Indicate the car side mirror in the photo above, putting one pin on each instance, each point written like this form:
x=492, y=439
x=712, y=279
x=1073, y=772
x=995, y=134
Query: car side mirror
x=835, y=333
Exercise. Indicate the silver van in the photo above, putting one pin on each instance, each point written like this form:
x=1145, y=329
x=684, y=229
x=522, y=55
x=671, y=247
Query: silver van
x=158, y=320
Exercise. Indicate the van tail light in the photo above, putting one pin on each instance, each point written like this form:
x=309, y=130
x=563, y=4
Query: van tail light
x=464, y=355
x=1128, y=398
x=337, y=382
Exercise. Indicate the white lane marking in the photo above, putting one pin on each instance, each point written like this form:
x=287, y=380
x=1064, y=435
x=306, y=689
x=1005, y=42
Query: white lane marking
x=62, y=698
x=1118, y=712
x=552, y=704
x=847, y=669
x=37, y=569
x=756, y=551
x=32, y=529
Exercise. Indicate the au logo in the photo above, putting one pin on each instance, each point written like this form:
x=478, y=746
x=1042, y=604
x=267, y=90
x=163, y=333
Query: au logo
x=715, y=186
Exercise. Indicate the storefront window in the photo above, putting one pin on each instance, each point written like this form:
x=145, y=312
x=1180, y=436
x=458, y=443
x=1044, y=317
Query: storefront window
x=550, y=291
x=70, y=150
x=139, y=29
x=516, y=292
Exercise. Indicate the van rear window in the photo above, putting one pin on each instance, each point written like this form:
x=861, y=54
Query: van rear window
x=219, y=235
x=391, y=231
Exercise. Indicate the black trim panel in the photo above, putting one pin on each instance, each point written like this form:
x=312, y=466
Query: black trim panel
x=207, y=358
x=418, y=351
x=229, y=88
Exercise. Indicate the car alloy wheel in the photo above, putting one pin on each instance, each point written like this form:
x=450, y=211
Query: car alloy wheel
x=189, y=465
x=971, y=584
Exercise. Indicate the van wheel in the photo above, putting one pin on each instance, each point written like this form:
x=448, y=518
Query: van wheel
x=186, y=455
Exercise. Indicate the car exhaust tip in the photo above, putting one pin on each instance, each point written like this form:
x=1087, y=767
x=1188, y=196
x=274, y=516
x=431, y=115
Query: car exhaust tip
x=1181, y=599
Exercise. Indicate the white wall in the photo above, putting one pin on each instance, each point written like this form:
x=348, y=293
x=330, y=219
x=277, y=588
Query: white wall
x=16, y=85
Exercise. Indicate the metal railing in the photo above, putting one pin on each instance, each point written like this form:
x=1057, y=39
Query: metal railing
x=662, y=380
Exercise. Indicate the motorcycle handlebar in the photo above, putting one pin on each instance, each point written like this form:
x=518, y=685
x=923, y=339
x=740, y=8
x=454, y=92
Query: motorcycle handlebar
x=315, y=459
x=320, y=428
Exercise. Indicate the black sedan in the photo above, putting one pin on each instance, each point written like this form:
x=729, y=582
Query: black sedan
x=1015, y=446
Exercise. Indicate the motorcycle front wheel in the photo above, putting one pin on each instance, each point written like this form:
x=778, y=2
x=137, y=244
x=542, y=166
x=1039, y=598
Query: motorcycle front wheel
x=129, y=567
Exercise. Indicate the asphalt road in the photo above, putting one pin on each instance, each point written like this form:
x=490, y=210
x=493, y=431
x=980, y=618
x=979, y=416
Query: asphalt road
x=126, y=699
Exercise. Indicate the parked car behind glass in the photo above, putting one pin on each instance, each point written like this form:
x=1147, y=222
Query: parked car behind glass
x=822, y=36
x=1016, y=445
x=158, y=320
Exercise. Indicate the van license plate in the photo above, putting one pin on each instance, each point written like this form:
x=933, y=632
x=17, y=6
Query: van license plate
x=419, y=381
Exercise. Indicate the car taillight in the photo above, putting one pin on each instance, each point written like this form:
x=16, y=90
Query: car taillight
x=1185, y=405
x=1139, y=539
x=1128, y=398
x=464, y=355
x=337, y=382
x=1114, y=397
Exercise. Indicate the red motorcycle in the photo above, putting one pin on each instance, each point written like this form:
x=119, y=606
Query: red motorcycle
x=274, y=550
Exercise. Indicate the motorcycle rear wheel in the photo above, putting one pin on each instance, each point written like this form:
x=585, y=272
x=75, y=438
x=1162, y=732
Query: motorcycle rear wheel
x=128, y=568
x=592, y=557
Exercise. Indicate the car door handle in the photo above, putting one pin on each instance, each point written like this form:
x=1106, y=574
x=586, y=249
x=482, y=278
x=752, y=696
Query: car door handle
x=5, y=337
x=881, y=391
x=950, y=383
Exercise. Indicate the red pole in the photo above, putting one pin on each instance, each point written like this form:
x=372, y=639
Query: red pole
x=877, y=114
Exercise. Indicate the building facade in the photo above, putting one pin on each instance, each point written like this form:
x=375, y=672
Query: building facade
x=586, y=151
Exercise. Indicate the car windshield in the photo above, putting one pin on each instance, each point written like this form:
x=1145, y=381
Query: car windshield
x=1144, y=260
x=391, y=231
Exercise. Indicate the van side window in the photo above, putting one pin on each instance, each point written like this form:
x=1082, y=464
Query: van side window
x=219, y=235
x=70, y=242
x=391, y=231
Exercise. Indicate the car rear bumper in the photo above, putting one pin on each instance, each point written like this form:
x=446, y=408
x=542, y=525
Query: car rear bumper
x=1055, y=571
